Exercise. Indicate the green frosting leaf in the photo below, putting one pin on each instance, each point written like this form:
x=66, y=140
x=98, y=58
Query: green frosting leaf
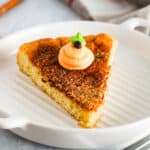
x=78, y=37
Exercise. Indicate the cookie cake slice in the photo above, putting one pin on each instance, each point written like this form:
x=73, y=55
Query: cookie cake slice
x=73, y=71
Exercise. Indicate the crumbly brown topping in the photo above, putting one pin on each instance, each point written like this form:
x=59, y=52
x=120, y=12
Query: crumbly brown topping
x=86, y=87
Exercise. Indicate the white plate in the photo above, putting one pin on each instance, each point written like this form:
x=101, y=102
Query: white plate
x=126, y=115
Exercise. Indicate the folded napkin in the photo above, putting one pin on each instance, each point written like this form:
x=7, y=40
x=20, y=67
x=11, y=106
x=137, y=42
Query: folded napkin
x=113, y=11
x=108, y=10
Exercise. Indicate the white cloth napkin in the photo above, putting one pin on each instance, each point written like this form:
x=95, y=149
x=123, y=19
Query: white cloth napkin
x=108, y=10
x=113, y=11
x=101, y=9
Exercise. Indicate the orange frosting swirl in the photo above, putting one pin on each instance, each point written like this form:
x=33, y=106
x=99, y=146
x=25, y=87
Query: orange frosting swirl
x=75, y=59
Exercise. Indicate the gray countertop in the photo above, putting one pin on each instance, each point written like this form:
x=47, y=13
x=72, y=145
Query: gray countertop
x=34, y=12
x=26, y=14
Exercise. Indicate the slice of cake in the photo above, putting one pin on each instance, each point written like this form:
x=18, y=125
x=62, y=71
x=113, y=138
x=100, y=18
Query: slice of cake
x=80, y=91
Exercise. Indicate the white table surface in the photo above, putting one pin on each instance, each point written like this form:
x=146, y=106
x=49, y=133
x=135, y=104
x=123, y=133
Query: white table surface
x=26, y=14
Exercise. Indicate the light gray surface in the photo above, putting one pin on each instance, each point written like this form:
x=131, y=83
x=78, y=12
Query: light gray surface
x=26, y=14
x=33, y=12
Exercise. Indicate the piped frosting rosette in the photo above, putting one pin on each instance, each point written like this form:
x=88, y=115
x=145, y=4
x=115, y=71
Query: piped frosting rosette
x=75, y=55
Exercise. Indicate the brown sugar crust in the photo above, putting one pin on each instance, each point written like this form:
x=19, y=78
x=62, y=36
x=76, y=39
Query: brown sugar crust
x=87, y=87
